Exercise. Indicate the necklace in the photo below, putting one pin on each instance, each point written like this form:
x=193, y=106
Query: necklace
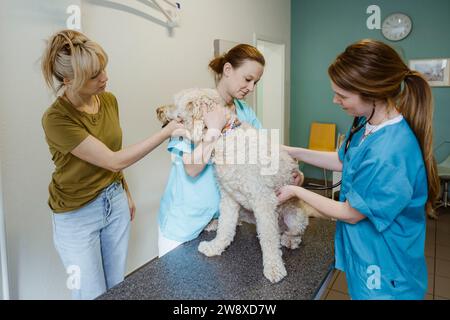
x=373, y=128
x=93, y=108
x=369, y=132
x=95, y=105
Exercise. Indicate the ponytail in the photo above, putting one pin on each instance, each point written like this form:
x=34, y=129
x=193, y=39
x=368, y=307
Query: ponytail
x=216, y=65
x=71, y=55
x=56, y=62
x=236, y=57
x=416, y=105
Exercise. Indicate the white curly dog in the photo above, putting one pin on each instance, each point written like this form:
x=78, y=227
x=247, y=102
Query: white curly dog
x=245, y=182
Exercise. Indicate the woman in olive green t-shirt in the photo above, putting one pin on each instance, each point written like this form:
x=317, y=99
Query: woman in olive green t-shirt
x=90, y=199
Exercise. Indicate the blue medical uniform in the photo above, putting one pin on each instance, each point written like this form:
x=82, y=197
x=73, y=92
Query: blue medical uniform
x=189, y=203
x=384, y=178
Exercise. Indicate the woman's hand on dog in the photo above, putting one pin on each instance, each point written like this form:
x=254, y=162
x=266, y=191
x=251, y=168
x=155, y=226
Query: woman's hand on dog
x=285, y=193
x=215, y=119
x=298, y=178
x=174, y=128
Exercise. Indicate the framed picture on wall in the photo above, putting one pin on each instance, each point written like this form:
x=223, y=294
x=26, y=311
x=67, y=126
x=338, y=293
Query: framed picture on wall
x=436, y=71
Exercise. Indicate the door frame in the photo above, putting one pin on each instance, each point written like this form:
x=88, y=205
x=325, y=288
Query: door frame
x=286, y=123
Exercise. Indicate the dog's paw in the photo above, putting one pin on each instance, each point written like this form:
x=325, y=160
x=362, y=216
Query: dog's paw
x=212, y=226
x=275, y=272
x=291, y=242
x=209, y=249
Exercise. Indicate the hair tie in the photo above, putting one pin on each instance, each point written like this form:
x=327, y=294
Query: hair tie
x=410, y=73
x=65, y=37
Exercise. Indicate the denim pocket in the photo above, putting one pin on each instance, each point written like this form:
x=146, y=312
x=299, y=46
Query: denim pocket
x=113, y=189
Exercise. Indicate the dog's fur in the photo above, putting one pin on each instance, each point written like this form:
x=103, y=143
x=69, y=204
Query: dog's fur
x=243, y=186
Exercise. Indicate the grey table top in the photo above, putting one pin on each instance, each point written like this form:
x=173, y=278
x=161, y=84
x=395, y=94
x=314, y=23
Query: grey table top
x=186, y=274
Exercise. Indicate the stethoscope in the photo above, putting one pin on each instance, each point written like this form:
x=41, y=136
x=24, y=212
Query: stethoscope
x=356, y=126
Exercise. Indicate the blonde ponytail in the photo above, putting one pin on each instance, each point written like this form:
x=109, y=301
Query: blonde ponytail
x=71, y=55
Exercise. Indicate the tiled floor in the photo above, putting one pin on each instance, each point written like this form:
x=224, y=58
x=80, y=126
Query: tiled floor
x=437, y=253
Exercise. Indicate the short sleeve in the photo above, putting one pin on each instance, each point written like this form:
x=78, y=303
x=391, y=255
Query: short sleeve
x=380, y=191
x=179, y=146
x=62, y=133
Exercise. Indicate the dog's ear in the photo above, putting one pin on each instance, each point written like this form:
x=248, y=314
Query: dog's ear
x=198, y=130
x=162, y=113
x=302, y=178
x=195, y=110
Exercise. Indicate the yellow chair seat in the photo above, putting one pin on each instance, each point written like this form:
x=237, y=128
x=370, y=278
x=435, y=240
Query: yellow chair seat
x=322, y=137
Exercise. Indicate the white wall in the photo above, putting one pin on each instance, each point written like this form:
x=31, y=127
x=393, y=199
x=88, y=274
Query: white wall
x=34, y=268
x=147, y=66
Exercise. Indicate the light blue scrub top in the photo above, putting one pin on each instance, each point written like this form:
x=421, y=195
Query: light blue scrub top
x=188, y=204
x=384, y=178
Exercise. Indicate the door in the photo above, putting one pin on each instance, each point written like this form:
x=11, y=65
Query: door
x=270, y=91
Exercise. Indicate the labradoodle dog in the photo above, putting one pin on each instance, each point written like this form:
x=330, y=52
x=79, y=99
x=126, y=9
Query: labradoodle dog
x=250, y=166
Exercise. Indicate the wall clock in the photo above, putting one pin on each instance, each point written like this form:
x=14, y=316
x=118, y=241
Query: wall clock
x=396, y=26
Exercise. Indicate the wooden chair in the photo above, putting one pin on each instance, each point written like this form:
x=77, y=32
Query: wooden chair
x=322, y=137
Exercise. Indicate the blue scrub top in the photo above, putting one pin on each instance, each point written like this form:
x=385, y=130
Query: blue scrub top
x=385, y=179
x=189, y=203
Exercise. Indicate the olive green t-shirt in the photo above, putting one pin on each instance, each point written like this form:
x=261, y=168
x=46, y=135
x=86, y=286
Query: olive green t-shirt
x=76, y=182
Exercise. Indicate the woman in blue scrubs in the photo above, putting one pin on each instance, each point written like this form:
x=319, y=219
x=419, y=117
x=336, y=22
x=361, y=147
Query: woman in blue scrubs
x=191, y=198
x=389, y=179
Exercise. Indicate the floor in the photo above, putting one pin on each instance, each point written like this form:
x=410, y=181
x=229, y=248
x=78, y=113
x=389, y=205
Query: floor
x=437, y=253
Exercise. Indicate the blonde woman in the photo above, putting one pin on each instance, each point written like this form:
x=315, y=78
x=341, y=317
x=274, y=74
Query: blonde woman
x=389, y=174
x=91, y=203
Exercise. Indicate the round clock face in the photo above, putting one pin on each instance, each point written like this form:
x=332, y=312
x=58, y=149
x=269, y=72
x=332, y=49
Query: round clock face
x=396, y=26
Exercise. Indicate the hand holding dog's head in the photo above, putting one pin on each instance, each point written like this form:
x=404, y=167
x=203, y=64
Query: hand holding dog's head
x=216, y=118
x=190, y=106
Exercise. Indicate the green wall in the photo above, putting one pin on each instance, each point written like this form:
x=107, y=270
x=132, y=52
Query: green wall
x=321, y=29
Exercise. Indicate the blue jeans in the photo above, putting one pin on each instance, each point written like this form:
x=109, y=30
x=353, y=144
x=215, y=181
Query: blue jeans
x=92, y=242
